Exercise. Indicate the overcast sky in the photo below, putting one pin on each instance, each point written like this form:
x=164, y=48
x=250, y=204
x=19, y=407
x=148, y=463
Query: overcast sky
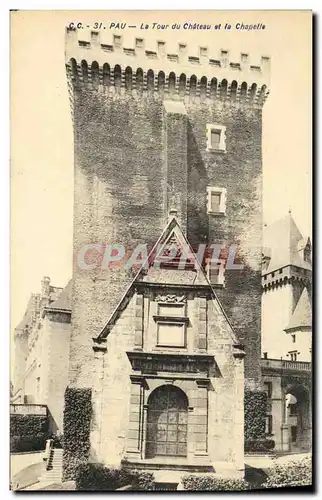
x=41, y=127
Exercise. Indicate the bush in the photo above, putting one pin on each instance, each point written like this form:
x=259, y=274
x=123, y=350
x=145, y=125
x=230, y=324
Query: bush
x=97, y=477
x=259, y=444
x=27, y=443
x=28, y=432
x=255, y=403
x=297, y=473
x=77, y=422
x=213, y=483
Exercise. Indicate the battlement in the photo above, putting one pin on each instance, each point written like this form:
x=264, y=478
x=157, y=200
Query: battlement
x=102, y=60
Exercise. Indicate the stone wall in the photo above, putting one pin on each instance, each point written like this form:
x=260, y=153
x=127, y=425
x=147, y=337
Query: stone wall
x=120, y=399
x=122, y=156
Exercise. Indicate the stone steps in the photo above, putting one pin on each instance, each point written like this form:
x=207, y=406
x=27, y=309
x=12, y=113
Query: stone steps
x=54, y=468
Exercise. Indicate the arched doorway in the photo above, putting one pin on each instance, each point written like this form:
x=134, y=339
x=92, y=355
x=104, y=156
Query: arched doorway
x=167, y=422
x=298, y=417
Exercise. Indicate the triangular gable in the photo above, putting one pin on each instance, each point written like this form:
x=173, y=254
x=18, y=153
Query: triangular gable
x=154, y=266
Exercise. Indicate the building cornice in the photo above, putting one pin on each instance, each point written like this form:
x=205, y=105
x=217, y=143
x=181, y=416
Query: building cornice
x=154, y=72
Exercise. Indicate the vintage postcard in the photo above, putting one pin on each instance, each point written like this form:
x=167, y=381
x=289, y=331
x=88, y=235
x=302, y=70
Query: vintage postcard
x=161, y=262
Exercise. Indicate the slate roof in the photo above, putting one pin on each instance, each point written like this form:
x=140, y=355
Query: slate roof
x=281, y=242
x=302, y=315
x=64, y=301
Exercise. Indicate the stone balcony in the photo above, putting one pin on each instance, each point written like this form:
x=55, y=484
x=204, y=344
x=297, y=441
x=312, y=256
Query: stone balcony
x=28, y=409
x=281, y=365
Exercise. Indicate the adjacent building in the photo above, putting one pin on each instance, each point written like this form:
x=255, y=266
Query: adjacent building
x=287, y=335
x=41, y=352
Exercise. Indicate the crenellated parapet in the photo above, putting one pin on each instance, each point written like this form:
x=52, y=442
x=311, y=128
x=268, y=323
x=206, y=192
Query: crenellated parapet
x=141, y=70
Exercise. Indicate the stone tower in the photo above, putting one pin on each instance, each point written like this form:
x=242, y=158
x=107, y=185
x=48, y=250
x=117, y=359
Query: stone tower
x=286, y=285
x=153, y=131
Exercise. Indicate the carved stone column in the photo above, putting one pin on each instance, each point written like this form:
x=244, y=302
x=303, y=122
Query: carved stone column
x=138, y=336
x=202, y=324
x=97, y=397
x=135, y=429
x=200, y=404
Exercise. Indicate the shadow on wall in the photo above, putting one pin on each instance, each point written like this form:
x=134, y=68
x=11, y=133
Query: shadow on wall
x=198, y=227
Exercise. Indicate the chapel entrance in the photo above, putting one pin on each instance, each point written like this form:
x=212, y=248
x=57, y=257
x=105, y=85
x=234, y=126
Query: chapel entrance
x=167, y=423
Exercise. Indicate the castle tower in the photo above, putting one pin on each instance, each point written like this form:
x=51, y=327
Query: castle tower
x=159, y=133
x=286, y=285
x=153, y=129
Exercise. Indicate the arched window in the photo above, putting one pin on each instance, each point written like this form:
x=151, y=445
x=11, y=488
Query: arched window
x=233, y=90
x=117, y=76
x=243, y=89
x=95, y=74
x=150, y=81
x=172, y=83
x=106, y=74
x=84, y=67
x=167, y=422
x=128, y=78
x=213, y=88
x=223, y=89
x=161, y=82
x=193, y=85
x=139, y=80
x=182, y=84
x=203, y=87
x=73, y=66
x=253, y=90
x=262, y=92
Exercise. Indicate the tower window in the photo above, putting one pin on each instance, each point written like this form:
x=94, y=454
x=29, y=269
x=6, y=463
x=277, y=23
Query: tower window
x=216, y=272
x=139, y=42
x=293, y=355
x=216, y=138
x=203, y=51
x=294, y=338
x=216, y=200
x=117, y=39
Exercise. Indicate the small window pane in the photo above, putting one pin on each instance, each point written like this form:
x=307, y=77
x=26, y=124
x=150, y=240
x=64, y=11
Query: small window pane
x=215, y=202
x=215, y=138
x=170, y=334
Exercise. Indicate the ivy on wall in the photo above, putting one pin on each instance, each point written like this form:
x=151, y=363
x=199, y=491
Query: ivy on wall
x=77, y=422
x=28, y=432
x=255, y=404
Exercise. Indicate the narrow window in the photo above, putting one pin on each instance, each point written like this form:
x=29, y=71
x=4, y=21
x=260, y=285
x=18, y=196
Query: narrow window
x=268, y=389
x=269, y=425
x=216, y=200
x=216, y=137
